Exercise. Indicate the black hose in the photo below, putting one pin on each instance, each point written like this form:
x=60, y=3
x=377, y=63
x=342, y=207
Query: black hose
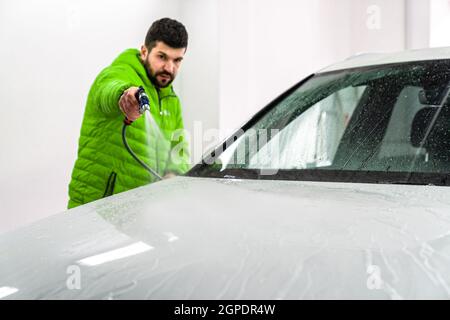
x=142, y=163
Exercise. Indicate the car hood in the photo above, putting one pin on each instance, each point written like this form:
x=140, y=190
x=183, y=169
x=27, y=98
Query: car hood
x=200, y=238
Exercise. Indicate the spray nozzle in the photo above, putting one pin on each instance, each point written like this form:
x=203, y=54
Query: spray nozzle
x=142, y=98
x=144, y=103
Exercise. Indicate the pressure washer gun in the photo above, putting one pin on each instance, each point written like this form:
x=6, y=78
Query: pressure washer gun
x=144, y=103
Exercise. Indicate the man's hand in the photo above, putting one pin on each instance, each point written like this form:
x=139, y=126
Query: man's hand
x=129, y=104
x=169, y=175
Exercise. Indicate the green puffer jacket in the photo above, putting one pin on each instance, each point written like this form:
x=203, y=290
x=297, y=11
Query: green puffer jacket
x=104, y=167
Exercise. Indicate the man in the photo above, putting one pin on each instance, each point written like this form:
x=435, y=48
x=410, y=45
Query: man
x=104, y=166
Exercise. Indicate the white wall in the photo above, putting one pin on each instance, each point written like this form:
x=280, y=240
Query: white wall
x=50, y=52
x=417, y=24
x=198, y=77
x=439, y=23
x=267, y=46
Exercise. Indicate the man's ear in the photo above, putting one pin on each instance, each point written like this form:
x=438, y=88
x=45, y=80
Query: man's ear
x=144, y=52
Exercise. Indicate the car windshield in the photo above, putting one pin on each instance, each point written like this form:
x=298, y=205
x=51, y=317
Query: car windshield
x=386, y=124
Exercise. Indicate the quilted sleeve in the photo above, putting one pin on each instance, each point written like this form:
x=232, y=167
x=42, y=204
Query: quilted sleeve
x=108, y=87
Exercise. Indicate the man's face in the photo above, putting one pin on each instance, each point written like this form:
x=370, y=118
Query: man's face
x=162, y=63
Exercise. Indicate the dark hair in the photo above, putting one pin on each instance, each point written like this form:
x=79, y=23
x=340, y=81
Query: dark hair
x=169, y=31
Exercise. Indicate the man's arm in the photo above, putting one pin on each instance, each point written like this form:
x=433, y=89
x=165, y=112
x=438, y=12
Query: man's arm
x=108, y=87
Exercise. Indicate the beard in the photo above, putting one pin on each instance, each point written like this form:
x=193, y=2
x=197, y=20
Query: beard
x=152, y=75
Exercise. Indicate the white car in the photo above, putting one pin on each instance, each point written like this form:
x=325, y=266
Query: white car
x=338, y=189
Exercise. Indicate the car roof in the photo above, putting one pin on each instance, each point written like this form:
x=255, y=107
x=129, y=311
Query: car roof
x=371, y=59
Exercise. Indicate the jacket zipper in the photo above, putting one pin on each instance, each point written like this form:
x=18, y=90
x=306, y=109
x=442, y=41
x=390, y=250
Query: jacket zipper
x=110, y=185
x=156, y=142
